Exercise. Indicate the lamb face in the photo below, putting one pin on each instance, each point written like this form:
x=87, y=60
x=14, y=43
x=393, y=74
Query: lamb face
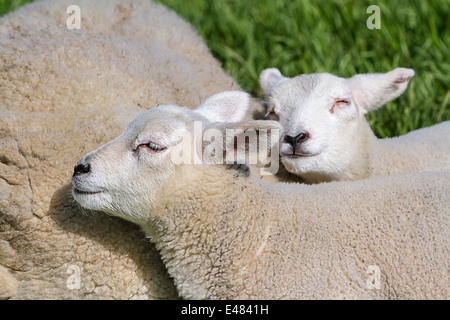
x=322, y=116
x=123, y=176
x=319, y=116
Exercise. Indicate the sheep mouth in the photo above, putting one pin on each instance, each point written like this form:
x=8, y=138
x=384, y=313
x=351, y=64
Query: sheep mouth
x=86, y=192
x=299, y=155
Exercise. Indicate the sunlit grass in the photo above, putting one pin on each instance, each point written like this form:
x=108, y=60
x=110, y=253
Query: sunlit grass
x=10, y=5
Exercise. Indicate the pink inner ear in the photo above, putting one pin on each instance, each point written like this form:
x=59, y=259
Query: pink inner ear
x=229, y=112
x=357, y=94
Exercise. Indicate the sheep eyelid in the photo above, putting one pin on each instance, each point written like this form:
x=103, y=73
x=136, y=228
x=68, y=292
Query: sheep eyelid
x=339, y=102
x=153, y=147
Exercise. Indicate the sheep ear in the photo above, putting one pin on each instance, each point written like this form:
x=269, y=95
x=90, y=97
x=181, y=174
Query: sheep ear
x=228, y=106
x=371, y=91
x=269, y=79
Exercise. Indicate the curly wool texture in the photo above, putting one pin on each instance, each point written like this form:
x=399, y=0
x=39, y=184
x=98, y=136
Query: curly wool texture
x=237, y=238
x=224, y=234
x=64, y=92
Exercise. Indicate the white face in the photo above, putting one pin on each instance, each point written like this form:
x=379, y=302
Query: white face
x=124, y=176
x=318, y=115
x=321, y=115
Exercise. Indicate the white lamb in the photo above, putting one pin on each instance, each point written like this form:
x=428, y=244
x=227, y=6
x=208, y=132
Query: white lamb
x=224, y=234
x=327, y=136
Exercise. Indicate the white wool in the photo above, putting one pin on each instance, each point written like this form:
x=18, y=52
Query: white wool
x=64, y=92
x=224, y=234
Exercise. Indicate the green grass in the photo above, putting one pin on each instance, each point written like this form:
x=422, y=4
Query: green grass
x=331, y=36
x=10, y=5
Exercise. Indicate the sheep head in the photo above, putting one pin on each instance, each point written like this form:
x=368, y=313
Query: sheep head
x=322, y=116
x=124, y=176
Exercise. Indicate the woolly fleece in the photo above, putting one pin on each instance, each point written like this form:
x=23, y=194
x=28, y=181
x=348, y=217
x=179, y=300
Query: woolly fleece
x=64, y=92
x=224, y=234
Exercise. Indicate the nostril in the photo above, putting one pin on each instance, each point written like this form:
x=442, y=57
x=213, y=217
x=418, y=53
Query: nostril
x=81, y=168
x=289, y=139
x=301, y=137
x=297, y=139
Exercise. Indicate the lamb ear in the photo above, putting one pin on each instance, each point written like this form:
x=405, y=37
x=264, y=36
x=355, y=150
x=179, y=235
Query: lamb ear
x=371, y=91
x=227, y=106
x=269, y=79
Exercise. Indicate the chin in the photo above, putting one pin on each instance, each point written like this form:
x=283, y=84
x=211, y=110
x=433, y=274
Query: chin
x=90, y=200
x=294, y=164
x=305, y=167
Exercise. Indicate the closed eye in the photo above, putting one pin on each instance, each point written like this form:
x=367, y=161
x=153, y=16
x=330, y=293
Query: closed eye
x=339, y=103
x=153, y=147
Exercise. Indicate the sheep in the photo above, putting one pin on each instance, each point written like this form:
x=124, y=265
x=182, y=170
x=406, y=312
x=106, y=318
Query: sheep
x=224, y=234
x=327, y=136
x=63, y=92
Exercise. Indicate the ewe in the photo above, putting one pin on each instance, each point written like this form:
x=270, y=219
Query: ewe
x=224, y=234
x=63, y=92
x=327, y=136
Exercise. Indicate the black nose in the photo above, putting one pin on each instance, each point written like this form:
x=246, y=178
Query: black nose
x=81, y=168
x=297, y=139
